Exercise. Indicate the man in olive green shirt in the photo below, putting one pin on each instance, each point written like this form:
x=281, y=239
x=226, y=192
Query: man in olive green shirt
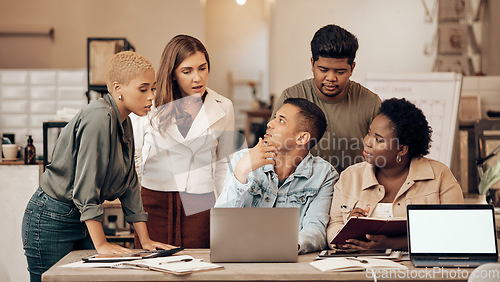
x=349, y=107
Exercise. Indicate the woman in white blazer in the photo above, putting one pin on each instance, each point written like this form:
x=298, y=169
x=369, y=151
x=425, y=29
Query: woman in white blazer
x=183, y=147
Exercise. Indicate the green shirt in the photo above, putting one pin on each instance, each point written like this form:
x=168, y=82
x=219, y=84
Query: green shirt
x=348, y=121
x=93, y=161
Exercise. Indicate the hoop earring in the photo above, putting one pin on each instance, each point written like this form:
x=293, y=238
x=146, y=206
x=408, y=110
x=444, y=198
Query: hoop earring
x=120, y=98
x=398, y=158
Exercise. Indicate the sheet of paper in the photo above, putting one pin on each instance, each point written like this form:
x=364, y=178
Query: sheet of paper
x=153, y=261
x=354, y=264
x=82, y=264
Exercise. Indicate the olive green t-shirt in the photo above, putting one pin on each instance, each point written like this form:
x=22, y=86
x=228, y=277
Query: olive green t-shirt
x=348, y=121
x=93, y=161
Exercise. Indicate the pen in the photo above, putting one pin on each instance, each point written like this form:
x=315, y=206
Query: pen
x=346, y=207
x=357, y=259
x=366, y=210
x=182, y=260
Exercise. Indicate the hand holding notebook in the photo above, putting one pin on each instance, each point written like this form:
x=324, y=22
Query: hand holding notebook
x=358, y=227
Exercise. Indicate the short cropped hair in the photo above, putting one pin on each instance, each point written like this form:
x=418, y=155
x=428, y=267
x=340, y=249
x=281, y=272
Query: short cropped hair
x=412, y=128
x=125, y=66
x=312, y=119
x=333, y=41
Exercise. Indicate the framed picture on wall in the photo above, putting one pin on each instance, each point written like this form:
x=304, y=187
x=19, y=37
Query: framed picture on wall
x=452, y=10
x=100, y=51
x=469, y=109
x=455, y=63
x=452, y=38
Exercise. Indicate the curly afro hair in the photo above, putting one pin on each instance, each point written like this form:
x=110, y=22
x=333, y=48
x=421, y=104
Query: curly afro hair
x=411, y=126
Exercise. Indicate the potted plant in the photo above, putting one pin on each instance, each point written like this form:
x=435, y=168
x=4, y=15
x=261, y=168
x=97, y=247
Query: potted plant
x=489, y=177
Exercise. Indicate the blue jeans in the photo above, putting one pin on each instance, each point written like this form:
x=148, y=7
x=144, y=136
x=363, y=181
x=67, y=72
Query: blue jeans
x=51, y=229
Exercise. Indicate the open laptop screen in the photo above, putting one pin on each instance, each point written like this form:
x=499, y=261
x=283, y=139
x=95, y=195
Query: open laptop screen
x=451, y=229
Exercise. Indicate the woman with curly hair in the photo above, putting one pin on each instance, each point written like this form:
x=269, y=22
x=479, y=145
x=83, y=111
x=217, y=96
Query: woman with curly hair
x=395, y=173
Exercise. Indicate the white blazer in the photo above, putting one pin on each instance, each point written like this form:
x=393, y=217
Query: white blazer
x=194, y=164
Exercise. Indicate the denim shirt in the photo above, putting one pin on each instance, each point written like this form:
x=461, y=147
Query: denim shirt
x=309, y=187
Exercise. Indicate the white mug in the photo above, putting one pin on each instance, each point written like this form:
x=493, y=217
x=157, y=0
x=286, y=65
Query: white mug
x=10, y=151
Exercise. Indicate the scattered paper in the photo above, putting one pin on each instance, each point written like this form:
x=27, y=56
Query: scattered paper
x=354, y=264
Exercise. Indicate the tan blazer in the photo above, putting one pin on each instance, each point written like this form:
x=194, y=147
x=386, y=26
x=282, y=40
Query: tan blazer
x=428, y=182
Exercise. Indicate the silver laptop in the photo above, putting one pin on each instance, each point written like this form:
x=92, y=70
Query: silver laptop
x=254, y=234
x=451, y=235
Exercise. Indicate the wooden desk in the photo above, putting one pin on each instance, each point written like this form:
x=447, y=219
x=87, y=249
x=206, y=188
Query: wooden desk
x=300, y=271
x=18, y=162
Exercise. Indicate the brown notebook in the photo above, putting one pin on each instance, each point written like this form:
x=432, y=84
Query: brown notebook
x=358, y=227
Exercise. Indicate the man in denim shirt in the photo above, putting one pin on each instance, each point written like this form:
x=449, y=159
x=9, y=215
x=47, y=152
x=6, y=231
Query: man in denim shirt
x=280, y=172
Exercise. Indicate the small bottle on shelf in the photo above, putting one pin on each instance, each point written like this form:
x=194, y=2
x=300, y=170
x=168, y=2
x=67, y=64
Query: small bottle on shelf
x=30, y=152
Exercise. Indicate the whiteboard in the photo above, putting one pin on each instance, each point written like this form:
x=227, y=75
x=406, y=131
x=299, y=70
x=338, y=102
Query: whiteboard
x=437, y=94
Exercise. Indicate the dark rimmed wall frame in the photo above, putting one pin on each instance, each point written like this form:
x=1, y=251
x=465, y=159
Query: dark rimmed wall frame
x=102, y=89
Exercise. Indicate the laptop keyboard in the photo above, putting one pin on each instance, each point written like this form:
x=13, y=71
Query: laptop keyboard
x=459, y=262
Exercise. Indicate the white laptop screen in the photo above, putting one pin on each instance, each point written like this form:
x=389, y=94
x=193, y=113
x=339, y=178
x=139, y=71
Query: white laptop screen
x=451, y=231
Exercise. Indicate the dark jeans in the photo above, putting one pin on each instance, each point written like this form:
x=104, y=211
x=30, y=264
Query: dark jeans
x=51, y=229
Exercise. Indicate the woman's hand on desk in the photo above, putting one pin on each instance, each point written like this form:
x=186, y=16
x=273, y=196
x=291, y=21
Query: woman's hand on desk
x=146, y=242
x=378, y=242
x=99, y=239
x=153, y=245
x=108, y=248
